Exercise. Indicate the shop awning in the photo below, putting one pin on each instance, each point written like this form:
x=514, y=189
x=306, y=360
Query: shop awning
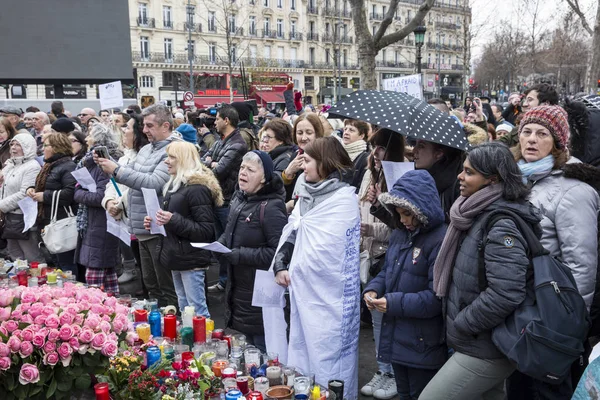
x=270, y=97
x=210, y=101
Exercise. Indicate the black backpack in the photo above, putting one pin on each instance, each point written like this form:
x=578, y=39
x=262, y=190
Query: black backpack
x=545, y=334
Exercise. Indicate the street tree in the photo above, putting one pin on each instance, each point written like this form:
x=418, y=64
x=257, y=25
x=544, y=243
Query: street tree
x=593, y=61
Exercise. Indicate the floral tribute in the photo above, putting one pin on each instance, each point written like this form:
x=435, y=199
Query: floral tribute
x=54, y=340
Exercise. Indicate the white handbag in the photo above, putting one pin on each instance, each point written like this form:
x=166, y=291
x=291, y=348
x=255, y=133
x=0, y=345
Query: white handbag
x=60, y=236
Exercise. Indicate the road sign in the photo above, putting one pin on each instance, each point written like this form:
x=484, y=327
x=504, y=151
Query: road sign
x=188, y=103
x=188, y=96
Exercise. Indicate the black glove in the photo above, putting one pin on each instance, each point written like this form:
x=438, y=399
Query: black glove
x=283, y=258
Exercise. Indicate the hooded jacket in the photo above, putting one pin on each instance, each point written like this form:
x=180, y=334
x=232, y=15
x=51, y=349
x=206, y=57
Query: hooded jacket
x=192, y=221
x=411, y=333
x=253, y=244
x=19, y=174
x=282, y=156
x=470, y=314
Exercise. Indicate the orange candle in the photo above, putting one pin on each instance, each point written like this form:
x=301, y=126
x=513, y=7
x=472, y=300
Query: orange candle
x=218, y=367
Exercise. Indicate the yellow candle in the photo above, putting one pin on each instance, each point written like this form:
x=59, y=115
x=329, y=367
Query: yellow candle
x=210, y=325
x=51, y=277
x=143, y=331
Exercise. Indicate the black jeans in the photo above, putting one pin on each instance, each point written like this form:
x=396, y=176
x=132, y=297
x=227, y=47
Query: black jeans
x=410, y=382
x=523, y=387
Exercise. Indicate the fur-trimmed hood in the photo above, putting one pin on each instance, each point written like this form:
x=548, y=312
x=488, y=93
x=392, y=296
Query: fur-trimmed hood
x=583, y=172
x=416, y=191
x=475, y=135
x=207, y=178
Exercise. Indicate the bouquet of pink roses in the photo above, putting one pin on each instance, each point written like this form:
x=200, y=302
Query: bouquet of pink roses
x=53, y=340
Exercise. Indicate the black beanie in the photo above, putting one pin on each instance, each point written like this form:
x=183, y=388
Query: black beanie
x=63, y=125
x=267, y=164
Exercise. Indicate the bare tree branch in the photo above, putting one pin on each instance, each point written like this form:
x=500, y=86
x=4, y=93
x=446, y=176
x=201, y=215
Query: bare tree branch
x=406, y=29
x=387, y=20
x=574, y=4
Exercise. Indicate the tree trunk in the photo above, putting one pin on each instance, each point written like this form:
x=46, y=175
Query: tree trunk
x=367, y=68
x=593, y=71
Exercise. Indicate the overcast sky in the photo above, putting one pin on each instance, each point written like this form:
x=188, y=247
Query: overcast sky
x=487, y=15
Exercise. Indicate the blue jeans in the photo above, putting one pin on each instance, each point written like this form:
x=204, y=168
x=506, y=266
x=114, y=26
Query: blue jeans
x=222, y=214
x=377, y=317
x=66, y=262
x=189, y=286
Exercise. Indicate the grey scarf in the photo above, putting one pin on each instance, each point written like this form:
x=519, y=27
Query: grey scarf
x=463, y=213
x=310, y=194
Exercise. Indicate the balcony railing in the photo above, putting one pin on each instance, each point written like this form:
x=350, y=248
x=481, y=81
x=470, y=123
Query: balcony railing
x=346, y=14
x=211, y=28
x=439, y=4
x=269, y=33
x=168, y=24
x=312, y=36
x=327, y=37
x=312, y=10
x=347, y=39
x=295, y=36
x=376, y=16
x=238, y=32
x=185, y=26
x=328, y=66
x=446, y=25
x=252, y=32
x=274, y=63
x=333, y=12
x=146, y=22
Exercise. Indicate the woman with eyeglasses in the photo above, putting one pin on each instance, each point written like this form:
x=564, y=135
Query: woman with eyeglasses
x=277, y=141
x=79, y=145
x=570, y=208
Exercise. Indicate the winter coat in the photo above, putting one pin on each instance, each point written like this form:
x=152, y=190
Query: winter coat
x=193, y=221
x=4, y=153
x=147, y=171
x=570, y=232
x=59, y=178
x=282, y=156
x=412, y=328
x=96, y=248
x=511, y=112
x=253, y=246
x=378, y=235
x=470, y=314
x=111, y=193
x=19, y=174
x=354, y=176
x=228, y=154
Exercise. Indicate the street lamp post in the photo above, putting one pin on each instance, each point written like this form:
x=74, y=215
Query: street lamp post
x=190, y=13
x=439, y=61
x=419, y=41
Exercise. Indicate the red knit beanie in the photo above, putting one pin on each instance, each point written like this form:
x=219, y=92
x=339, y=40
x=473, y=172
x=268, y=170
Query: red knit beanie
x=553, y=118
x=298, y=101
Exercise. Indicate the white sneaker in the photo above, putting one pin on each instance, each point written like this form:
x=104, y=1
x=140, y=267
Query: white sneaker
x=387, y=390
x=373, y=385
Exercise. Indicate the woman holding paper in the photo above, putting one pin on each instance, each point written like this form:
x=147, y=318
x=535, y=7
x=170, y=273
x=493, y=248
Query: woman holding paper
x=97, y=250
x=19, y=173
x=187, y=213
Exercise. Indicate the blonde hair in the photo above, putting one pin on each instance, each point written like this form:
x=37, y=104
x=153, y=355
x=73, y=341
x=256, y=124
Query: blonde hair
x=188, y=163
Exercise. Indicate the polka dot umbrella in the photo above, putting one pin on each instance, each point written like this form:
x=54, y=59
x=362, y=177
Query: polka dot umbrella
x=402, y=113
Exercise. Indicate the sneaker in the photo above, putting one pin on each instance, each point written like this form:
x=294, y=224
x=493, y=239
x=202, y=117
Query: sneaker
x=373, y=385
x=216, y=288
x=388, y=389
x=126, y=276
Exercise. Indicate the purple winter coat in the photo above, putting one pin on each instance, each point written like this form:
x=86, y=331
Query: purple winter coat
x=96, y=248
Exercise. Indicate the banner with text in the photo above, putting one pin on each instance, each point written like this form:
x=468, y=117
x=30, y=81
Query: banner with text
x=409, y=84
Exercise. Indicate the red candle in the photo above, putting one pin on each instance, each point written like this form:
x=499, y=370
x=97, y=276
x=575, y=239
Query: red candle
x=228, y=338
x=199, y=324
x=170, y=327
x=101, y=391
x=140, y=315
x=242, y=383
x=217, y=334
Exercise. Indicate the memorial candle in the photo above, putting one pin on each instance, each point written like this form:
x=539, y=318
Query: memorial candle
x=199, y=329
x=170, y=327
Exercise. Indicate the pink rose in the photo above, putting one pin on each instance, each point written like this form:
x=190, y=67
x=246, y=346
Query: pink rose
x=110, y=301
x=26, y=349
x=92, y=321
x=4, y=363
x=52, y=321
x=118, y=326
x=53, y=335
x=36, y=310
x=65, y=333
x=76, y=330
x=74, y=343
x=28, y=319
x=39, y=320
x=27, y=334
x=6, y=298
x=39, y=341
x=105, y=326
x=4, y=313
x=110, y=349
x=97, y=308
x=11, y=326
x=83, y=348
x=14, y=343
x=79, y=318
x=66, y=318
x=65, y=350
x=29, y=374
x=28, y=297
x=49, y=347
x=86, y=335
x=4, y=350
x=45, y=298
x=98, y=341
x=51, y=358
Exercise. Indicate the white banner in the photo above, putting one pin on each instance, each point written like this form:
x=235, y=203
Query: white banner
x=111, y=95
x=409, y=84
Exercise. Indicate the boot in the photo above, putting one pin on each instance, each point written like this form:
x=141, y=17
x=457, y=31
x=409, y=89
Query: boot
x=129, y=272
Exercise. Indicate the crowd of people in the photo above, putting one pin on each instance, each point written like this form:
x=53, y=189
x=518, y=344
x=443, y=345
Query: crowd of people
x=305, y=197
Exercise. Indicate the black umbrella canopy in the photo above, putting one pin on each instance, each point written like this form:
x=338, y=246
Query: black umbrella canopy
x=402, y=113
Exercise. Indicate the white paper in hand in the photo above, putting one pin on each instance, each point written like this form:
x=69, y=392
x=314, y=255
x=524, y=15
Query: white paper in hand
x=85, y=179
x=118, y=229
x=152, y=207
x=214, y=246
x=30, y=209
x=394, y=171
x=266, y=292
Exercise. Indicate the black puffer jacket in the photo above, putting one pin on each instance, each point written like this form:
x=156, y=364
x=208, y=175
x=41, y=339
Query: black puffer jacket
x=253, y=246
x=192, y=222
x=228, y=153
x=470, y=314
x=59, y=178
x=282, y=156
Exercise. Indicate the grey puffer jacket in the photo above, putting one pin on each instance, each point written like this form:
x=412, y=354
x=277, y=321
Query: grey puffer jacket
x=19, y=174
x=147, y=171
x=570, y=232
x=470, y=314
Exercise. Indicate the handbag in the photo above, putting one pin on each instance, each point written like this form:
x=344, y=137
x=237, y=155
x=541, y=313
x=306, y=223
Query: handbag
x=60, y=236
x=13, y=227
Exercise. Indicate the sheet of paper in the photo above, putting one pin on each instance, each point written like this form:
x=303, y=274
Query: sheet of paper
x=111, y=95
x=214, y=246
x=30, y=209
x=266, y=292
x=394, y=171
x=118, y=229
x=85, y=179
x=152, y=207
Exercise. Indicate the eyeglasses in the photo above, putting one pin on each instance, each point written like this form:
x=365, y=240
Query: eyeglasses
x=266, y=138
x=46, y=145
x=540, y=134
x=82, y=115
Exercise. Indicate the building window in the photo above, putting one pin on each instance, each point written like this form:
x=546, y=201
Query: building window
x=144, y=48
x=267, y=25
x=266, y=3
x=293, y=4
x=168, y=50
x=280, y=53
x=233, y=54
x=267, y=52
x=168, y=17
x=253, y=51
x=327, y=56
x=383, y=53
x=190, y=15
x=279, y=3
x=279, y=28
x=146, y=81
x=311, y=55
x=192, y=47
x=309, y=82
x=252, y=27
x=327, y=28
x=383, y=10
x=143, y=13
x=293, y=28
x=212, y=27
x=311, y=27
x=232, y=27
x=345, y=58
x=212, y=53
